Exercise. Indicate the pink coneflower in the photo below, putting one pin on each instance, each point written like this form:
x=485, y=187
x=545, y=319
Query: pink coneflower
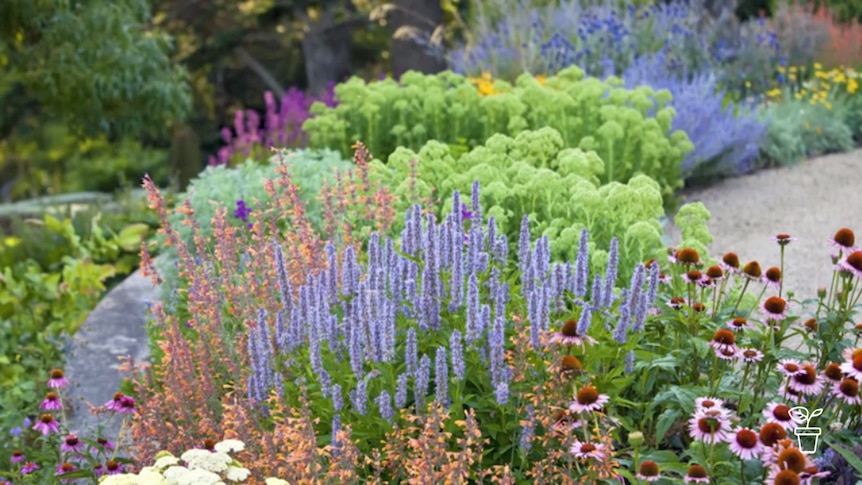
x=588, y=399
x=71, y=444
x=789, y=367
x=729, y=263
x=113, y=468
x=854, y=367
x=704, y=403
x=738, y=324
x=586, y=451
x=750, y=355
x=568, y=335
x=649, y=471
x=792, y=458
x=17, y=456
x=844, y=240
x=687, y=256
x=727, y=353
x=723, y=339
x=853, y=263
x=29, y=468
x=782, y=477
x=47, y=425
x=752, y=271
x=52, y=402
x=833, y=373
x=792, y=395
x=705, y=282
x=780, y=414
x=663, y=278
x=812, y=472
x=696, y=474
x=676, y=303
x=783, y=239
x=57, y=380
x=104, y=444
x=746, y=444
x=711, y=426
x=807, y=382
x=847, y=390
x=692, y=276
x=64, y=468
x=715, y=273
x=121, y=403
x=772, y=278
x=98, y=470
x=774, y=308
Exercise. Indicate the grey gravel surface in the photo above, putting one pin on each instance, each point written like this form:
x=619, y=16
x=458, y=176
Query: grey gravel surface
x=809, y=201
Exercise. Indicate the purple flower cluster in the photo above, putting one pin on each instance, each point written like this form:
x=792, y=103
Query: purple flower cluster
x=280, y=126
x=391, y=309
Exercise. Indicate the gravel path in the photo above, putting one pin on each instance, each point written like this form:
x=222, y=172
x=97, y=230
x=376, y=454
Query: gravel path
x=809, y=201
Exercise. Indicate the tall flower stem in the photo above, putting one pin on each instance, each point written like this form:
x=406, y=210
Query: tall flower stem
x=741, y=294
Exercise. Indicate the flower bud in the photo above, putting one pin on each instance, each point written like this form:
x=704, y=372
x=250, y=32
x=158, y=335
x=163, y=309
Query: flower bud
x=636, y=438
x=821, y=292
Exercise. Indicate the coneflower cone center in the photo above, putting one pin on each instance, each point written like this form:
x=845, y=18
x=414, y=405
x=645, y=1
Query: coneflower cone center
x=782, y=412
x=809, y=377
x=649, y=469
x=845, y=237
x=857, y=362
x=849, y=387
x=787, y=477
x=855, y=260
x=56, y=374
x=724, y=337
x=752, y=269
x=791, y=459
x=588, y=395
x=775, y=304
x=570, y=328
x=708, y=425
x=697, y=471
x=46, y=418
x=588, y=447
x=773, y=274
x=833, y=371
x=746, y=438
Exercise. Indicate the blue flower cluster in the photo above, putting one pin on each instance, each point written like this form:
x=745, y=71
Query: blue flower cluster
x=384, y=313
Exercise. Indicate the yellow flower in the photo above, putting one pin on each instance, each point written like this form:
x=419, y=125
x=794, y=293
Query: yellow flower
x=541, y=79
x=817, y=65
x=792, y=77
x=774, y=93
x=828, y=105
x=12, y=241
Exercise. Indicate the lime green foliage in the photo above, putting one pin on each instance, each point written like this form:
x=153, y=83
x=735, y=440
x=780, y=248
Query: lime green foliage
x=798, y=129
x=219, y=186
x=49, y=158
x=587, y=113
x=691, y=221
x=53, y=275
x=559, y=188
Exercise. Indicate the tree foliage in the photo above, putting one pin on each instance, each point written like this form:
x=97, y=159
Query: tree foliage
x=95, y=64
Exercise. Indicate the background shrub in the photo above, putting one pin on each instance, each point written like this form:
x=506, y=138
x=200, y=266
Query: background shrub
x=629, y=129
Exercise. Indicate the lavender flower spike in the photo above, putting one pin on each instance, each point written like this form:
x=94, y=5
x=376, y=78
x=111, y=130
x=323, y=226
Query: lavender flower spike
x=456, y=354
x=611, y=273
x=582, y=267
x=441, y=377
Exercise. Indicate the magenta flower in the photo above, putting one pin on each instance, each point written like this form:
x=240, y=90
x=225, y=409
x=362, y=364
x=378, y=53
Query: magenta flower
x=103, y=443
x=71, y=444
x=47, y=425
x=121, y=404
x=52, y=402
x=57, y=380
x=29, y=468
x=242, y=212
x=64, y=468
x=17, y=456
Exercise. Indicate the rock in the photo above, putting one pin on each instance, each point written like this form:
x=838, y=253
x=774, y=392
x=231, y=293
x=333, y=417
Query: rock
x=116, y=328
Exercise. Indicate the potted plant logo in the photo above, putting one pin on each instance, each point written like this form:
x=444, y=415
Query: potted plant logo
x=807, y=436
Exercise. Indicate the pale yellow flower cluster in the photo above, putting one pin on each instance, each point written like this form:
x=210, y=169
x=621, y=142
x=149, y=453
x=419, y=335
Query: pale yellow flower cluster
x=485, y=83
x=202, y=467
x=821, y=85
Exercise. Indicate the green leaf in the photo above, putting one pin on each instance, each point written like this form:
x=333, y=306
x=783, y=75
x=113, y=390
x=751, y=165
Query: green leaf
x=847, y=454
x=665, y=421
x=130, y=237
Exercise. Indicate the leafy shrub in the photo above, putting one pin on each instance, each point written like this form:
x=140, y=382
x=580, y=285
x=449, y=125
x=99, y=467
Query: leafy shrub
x=46, y=294
x=240, y=189
x=587, y=113
x=798, y=128
x=281, y=127
x=51, y=159
x=726, y=137
x=559, y=189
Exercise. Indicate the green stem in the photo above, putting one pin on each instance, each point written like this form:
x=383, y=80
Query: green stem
x=741, y=294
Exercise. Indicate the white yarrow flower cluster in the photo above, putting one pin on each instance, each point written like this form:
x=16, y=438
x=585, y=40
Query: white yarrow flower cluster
x=207, y=460
x=203, y=467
